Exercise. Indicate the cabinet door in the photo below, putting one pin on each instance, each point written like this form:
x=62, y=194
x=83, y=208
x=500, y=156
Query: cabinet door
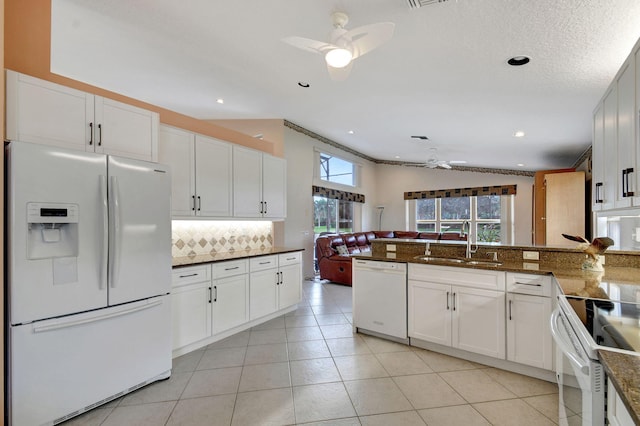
x=290, y=288
x=564, y=207
x=125, y=130
x=213, y=177
x=626, y=171
x=528, y=334
x=429, y=312
x=610, y=156
x=263, y=293
x=247, y=182
x=46, y=113
x=274, y=186
x=230, y=302
x=479, y=321
x=191, y=314
x=597, y=152
x=176, y=149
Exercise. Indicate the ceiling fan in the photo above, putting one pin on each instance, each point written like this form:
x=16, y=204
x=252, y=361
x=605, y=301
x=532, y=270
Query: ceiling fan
x=344, y=45
x=433, y=162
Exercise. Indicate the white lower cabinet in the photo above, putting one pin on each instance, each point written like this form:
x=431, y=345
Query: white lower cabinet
x=190, y=307
x=460, y=316
x=617, y=413
x=529, y=306
x=528, y=336
x=230, y=295
x=275, y=283
x=212, y=301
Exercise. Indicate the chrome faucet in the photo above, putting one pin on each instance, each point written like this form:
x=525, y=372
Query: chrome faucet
x=470, y=250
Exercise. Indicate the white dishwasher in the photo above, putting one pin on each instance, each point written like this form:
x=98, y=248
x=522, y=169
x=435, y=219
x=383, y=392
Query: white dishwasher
x=380, y=297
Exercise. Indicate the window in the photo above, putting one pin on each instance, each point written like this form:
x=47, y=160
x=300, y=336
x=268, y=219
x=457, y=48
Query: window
x=484, y=214
x=332, y=215
x=337, y=170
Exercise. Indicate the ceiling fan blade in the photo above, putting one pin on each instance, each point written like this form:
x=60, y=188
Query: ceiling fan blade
x=367, y=37
x=339, y=74
x=309, y=45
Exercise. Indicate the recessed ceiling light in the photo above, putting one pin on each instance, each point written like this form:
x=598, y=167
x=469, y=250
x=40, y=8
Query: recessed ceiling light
x=304, y=84
x=520, y=165
x=519, y=134
x=457, y=162
x=397, y=156
x=351, y=132
x=220, y=101
x=516, y=61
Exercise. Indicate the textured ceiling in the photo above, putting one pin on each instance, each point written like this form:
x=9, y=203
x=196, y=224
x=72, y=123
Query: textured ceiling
x=443, y=74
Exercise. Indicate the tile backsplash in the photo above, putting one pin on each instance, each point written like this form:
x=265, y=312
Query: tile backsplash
x=197, y=237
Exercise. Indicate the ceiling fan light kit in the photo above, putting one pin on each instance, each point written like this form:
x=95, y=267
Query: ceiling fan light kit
x=345, y=45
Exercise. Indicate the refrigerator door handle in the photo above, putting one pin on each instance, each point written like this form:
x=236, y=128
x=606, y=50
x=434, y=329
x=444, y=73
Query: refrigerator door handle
x=115, y=230
x=74, y=323
x=105, y=232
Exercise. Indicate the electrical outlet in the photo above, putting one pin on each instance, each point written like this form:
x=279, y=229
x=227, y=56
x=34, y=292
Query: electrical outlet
x=531, y=255
x=530, y=266
x=391, y=255
x=391, y=247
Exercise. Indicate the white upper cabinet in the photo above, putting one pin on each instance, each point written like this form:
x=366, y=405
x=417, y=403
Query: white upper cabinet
x=616, y=149
x=259, y=184
x=597, y=156
x=125, y=130
x=176, y=149
x=626, y=170
x=42, y=112
x=213, y=177
x=201, y=171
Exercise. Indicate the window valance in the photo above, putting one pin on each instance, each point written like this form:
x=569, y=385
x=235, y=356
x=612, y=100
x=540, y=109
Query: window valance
x=336, y=194
x=462, y=192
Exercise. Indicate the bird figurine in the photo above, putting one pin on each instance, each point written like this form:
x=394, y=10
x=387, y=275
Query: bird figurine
x=593, y=250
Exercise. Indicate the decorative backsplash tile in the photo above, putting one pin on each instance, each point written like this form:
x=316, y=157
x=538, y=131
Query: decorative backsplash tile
x=196, y=237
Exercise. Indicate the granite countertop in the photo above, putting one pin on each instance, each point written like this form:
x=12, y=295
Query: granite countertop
x=624, y=372
x=179, y=262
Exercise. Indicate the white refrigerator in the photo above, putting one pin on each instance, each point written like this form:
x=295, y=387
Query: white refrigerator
x=88, y=278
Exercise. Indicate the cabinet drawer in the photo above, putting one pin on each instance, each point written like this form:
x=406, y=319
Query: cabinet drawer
x=538, y=285
x=189, y=275
x=289, y=258
x=230, y=268
x=263, y=262
x=467, y=277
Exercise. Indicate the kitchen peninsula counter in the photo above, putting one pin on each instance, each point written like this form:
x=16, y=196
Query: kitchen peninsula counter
x=565, y=266
x=178, y=262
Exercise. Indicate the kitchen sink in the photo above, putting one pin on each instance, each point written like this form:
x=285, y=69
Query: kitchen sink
x=460, y=261
x=441, y=259
x=483, y=262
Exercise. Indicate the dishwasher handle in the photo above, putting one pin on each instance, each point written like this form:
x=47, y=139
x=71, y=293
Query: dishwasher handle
x=566, y=347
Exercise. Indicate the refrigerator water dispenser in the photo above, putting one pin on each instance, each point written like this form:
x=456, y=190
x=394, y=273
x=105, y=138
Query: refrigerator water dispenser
x=53, y=230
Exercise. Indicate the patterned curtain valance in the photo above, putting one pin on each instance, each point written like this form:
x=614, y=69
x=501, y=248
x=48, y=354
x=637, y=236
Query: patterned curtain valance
x=462, y=192
x=336, y=194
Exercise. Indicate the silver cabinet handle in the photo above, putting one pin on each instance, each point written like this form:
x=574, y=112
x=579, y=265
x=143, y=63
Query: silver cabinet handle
x=454, y=301
x=231, y=269
x=529, y=284
x=277, y=278
x=210, y=295
x=510, y=303
x=199, y=203
x=265, y=207
x=215, y=289
x=90, y=133
x=448, y=301
x=188, y=275
x=193, y=203
x=99, y=134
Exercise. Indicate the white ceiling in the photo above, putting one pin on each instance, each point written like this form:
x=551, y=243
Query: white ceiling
x=443, y=74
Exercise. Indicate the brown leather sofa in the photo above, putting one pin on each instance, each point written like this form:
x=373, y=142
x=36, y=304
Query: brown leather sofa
x=333, y=251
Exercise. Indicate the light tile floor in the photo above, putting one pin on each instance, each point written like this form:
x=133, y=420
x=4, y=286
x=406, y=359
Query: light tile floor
x=307, y=367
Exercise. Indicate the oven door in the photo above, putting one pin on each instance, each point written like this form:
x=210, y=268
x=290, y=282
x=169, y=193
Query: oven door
x=580, y=379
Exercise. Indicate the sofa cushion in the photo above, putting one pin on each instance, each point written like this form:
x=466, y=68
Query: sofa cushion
x=429, y=235
x=406, y=234
x=383, y=234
